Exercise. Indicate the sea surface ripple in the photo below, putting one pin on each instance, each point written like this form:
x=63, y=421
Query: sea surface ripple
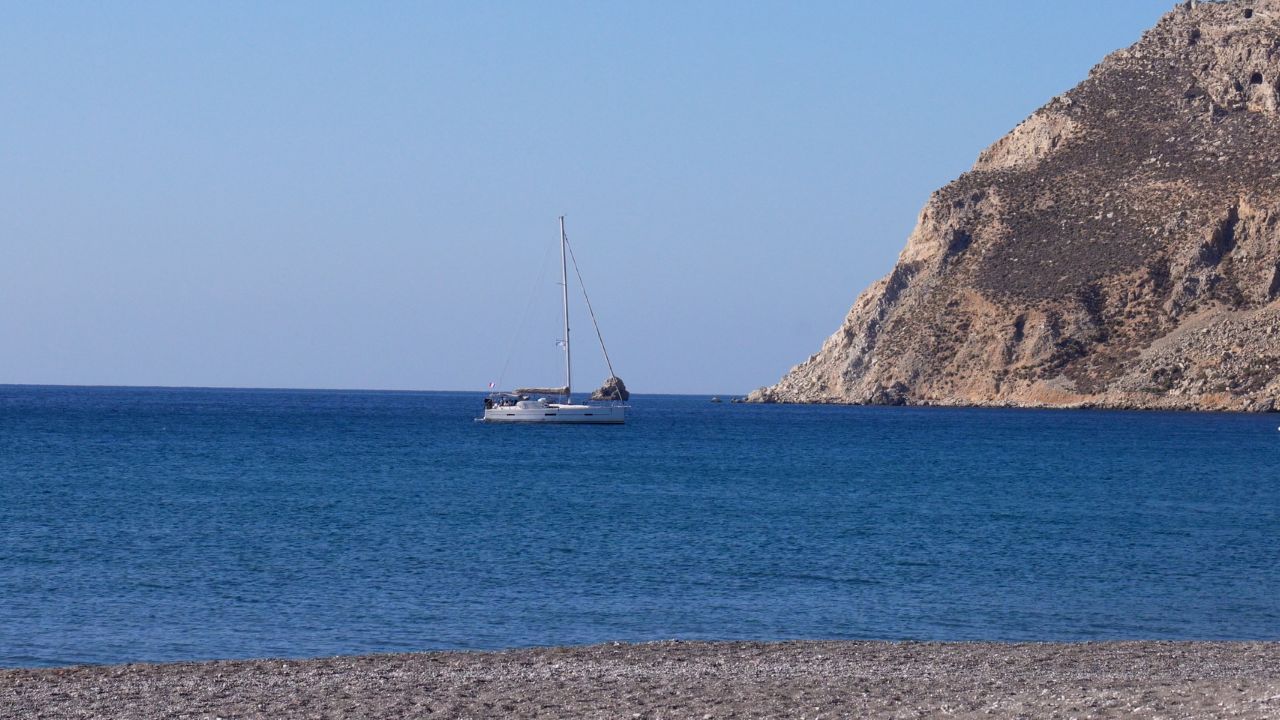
x=145, y=524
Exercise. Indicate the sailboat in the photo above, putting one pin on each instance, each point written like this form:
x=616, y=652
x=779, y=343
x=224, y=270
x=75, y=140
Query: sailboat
x=556, y=405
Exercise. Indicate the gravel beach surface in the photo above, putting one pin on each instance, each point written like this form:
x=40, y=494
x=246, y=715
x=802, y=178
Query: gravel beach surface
x=684, y=679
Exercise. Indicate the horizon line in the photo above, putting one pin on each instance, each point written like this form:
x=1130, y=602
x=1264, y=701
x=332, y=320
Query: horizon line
x=306, y=389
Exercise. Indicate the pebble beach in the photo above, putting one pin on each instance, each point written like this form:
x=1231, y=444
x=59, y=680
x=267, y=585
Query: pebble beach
x=674, y=679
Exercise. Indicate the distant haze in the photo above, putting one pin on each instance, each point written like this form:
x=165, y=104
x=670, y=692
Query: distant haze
x=362, y=196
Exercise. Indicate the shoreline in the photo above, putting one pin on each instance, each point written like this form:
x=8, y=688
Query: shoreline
x=996, y=405
x=813, y=679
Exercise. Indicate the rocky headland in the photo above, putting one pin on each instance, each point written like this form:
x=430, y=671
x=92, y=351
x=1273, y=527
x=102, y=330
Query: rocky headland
x=1120, y=248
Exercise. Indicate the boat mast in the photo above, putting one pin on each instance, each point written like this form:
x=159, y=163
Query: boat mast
x=564, y=286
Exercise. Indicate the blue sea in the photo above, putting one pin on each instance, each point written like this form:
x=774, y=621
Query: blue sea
x=176, y=524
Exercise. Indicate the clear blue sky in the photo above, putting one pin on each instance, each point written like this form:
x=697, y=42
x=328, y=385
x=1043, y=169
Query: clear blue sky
x=360, y=195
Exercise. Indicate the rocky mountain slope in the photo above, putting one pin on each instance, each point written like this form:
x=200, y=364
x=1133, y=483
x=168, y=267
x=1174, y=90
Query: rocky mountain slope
x=1119, y=248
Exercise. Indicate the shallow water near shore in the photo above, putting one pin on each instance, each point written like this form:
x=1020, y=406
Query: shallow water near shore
x=158, y=524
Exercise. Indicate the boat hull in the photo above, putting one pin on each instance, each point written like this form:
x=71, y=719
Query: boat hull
x=558, y=414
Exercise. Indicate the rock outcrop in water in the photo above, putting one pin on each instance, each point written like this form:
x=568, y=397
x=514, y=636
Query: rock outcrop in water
x=612, y=389
x=1119, y=248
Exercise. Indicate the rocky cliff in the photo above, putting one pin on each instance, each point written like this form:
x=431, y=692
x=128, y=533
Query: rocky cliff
x=1119, y=248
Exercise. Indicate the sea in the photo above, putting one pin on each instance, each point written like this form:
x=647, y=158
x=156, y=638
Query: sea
x=151, y=524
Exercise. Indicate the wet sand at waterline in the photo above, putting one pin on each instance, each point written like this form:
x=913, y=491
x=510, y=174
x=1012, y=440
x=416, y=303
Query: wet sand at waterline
x=684, y=679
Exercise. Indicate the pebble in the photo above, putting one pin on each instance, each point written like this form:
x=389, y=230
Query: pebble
x=685, y=679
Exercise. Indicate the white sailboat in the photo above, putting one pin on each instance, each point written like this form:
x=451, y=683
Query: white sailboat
x=556, y=405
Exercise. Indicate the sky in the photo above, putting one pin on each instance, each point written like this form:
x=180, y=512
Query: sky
x=365, y=195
